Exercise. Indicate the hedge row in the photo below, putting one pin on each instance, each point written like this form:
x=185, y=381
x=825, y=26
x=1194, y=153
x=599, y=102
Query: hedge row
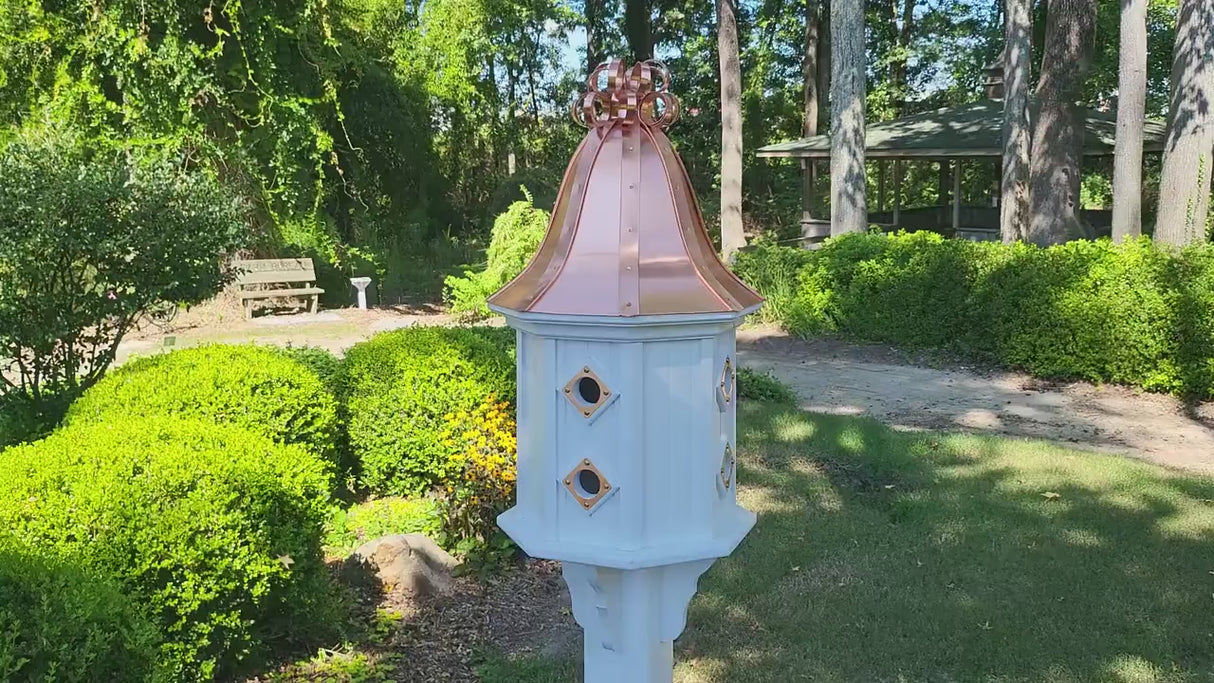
x=272, y=392
x=397, y=389
x=1130, y=314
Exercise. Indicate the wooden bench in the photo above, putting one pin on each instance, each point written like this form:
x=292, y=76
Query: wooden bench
x=289, y=278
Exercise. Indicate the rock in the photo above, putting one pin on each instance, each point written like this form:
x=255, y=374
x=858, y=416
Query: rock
x=409, y=562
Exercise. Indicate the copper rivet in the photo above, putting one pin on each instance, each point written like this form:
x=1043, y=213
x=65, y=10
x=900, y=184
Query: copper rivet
x=627, y=267
x=628, y=305
x=586, y=413
x=606, y=486
x=606, y=393
x=585, y=368
x=567, y=390
x=586, y=461
x=568, y=482
x=586, y=505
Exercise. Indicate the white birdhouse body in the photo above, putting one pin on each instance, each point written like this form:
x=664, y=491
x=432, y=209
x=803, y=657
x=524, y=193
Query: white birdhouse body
x=626, y=439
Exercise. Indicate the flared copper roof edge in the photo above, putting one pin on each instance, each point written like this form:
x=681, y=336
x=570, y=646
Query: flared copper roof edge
x=552, y=236
x=730, y=290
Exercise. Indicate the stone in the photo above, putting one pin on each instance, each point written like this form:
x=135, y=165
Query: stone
x=409, y=562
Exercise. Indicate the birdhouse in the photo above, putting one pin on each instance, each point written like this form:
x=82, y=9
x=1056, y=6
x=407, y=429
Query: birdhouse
x=627, y=387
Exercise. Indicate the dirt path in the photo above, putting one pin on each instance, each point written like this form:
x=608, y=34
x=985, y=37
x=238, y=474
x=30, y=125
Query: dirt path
x=829, y=376
x=837, y=377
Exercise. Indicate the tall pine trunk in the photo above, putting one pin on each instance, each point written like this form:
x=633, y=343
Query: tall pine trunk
x=1054, y=171
x=1017, y=134
x=593, y=38
x=809, y=69
x=1131, y=108
x=897, y=68
x=848, y=204
x=1184, y=187
x=733, y=237
x=636, y=28
x=824, y=66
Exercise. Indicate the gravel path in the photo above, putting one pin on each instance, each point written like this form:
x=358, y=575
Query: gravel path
x=837, y=377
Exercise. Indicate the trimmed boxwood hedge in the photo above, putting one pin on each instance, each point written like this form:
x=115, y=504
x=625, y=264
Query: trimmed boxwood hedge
x=61, y=624
x=1132, y=314
x=397, y=387
x=259, y=388
x=216, y=531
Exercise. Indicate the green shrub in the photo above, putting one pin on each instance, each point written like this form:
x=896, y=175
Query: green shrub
x=320, y=361
x=399, y=385
x=763, y=386
x=215, y=530
x=772, y=270
x=349, y=528
x=1132, y=313
x=258, y=388
x=515, y=238
x=89, y=242
x=59, y=624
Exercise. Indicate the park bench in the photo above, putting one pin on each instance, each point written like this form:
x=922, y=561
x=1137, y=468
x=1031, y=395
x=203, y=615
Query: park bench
x=260, y=279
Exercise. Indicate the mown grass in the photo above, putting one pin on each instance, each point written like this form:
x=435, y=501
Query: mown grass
x=889, y=556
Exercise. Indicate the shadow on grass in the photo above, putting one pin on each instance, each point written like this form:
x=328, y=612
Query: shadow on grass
x=887, y=556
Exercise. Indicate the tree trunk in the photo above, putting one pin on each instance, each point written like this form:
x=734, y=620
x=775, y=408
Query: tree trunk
x=897, y=68
x=811, y=113
x=1017, y=60
x=1184, y=186
x=809, y=69
x=593, y=51
x=1131, y=108
x=1058, y=134
x=848, y=206
x=733, y=237
x=824, y=66
x=636, y=24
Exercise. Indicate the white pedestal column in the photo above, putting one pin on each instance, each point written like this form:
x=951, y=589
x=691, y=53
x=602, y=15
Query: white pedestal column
x=630, y=618
x=360, y=283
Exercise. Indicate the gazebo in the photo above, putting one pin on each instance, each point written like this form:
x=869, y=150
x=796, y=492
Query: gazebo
x=970, y=133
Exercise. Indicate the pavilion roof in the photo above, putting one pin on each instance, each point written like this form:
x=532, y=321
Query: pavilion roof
x=969, y=130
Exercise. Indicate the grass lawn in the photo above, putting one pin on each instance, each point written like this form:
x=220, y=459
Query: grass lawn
x=889, y=556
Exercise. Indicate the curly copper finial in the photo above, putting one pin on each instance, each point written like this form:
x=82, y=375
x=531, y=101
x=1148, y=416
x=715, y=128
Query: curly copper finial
x=627, y=96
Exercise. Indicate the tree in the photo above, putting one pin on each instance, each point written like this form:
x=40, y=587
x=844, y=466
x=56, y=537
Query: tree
x=1054, y=171
x=733, y=236
x=1131, y=109
x=1184, y=187
x=848, y=206
x=1017, y=56
x=636, y=27
x=89, y=243
x=592, y=11
x=809, y=68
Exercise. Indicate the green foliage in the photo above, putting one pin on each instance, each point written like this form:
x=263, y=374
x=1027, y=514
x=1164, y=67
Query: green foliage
x=1130, y=314
x=216, y=531
x=399, y=385
x=319, y=360
x=772, y=270
x=60, y=624
x=516, y=237
x=259, y=388
x=349, y=528
x=763, y=386
x=89, y=241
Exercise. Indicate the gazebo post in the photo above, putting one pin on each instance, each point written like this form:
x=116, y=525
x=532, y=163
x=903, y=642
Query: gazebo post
x=897, y=193
x=807, y=190
x=956, y=195
x=881, y=185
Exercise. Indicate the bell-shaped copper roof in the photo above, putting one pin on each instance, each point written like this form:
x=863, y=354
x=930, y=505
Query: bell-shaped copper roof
x=626, y=236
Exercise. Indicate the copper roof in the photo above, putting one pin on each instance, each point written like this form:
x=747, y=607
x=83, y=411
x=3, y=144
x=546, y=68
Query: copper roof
x=626, y=236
